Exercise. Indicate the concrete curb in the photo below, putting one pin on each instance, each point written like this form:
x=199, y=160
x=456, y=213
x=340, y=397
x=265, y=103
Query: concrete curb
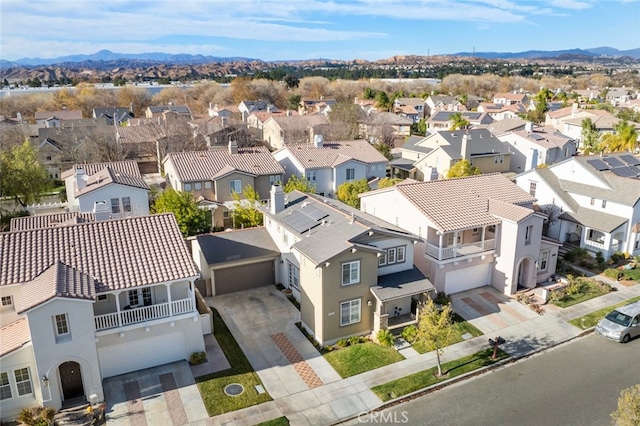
x=449, y=382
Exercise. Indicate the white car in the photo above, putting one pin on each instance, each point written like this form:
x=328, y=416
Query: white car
x=621, y=324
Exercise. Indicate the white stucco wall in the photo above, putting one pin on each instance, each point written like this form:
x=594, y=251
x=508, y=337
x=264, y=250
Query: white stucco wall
x=18, y=359
x=139, y=200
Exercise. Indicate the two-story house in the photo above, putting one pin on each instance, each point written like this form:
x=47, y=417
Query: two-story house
x=435, y=103
x=55, y=118
x=475, y=231
x=87, y=301
x=382, y=126
x=113, y=190
x=536, y=145
x=246, y=108
x=413, y=108
x=598, y=198
x=442, y=120
x=285, y=129
x=214, y=176
x=511, y=98
x=327, y=165
x=501, y=111
x=161, y=111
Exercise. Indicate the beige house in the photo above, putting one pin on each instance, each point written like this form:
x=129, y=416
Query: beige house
x=285, y=129
x=475, y=231
x=213, y=176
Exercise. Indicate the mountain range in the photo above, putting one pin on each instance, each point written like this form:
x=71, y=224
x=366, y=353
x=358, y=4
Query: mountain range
x=107, y=55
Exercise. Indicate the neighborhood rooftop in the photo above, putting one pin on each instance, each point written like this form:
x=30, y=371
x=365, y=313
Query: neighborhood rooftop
x=331, y=154
x=126, y=167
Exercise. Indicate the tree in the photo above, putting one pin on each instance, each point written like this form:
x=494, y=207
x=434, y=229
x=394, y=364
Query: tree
x=22, y=177
x=383, y=101
x=435, y=328
x=590, y=137
x=387, y=182
x=293, y=102
x=384, y=149
x=628, y=412
x=300, y=184
x=245, y=212
x=348, y=192
x=625, y=138
x=191, y=219
x=344, y=121
x=419, y=128
x=462, y=168
x=458, y=121
x=291, y=81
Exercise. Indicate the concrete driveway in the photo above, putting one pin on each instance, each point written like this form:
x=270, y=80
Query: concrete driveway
x=489, y=310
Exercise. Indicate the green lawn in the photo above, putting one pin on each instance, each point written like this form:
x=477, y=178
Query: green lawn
x=591, y=290
x=632, y=274
x=460, y=327
x=212, y=386
x=451, y=369
x=280, y=421
x=590, y=320
x=361, y=357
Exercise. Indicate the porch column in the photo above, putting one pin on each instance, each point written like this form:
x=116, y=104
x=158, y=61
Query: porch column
x=440, y=246
x=455, y=243
x=482, y=238
x=118, y=308
x=168, y=286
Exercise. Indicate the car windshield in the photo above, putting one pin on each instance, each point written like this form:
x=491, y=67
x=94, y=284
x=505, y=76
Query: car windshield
x=619, y=318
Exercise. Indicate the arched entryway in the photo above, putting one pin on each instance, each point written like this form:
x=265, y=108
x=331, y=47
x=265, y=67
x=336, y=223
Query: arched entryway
x=524, y=273
x=71, y=380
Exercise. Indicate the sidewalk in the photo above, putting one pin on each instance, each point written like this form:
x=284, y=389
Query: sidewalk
x=343, y=399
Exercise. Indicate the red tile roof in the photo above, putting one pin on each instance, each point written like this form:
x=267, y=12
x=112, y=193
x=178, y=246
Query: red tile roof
x=14, y=336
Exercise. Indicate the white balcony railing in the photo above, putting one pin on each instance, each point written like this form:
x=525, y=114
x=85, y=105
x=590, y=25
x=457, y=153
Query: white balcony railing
x=444, y=253
x=142, y=314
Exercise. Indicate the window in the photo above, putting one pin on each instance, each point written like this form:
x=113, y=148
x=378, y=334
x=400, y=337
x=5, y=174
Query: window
x=102, y=297
x=126, y=204
x=351, y=174
x=527, y=234
x=311, y=176
x=207, y=185
x=48, y=158
x=544, y=260
x=382, y=260
x=400, y=255
x=115, y=205
x=350, y=312
x=23, y=381
x=285, y=237
x=140, y=297
x=6, y=301
x=187, y=187
x=5, y=387
x=351, y=272
x=532, y=188
x=392, y=256
x=450, y=236
x=498, y=159
x=235, y=185
x=273, y=180
x=197, y=186
x=294, y=275
x=593, y=201
x=62, y=324
x=604, y=204
x=475, y=231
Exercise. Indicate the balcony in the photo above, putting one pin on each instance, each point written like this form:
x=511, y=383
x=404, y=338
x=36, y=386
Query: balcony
x=462, y=250
x=143, y=314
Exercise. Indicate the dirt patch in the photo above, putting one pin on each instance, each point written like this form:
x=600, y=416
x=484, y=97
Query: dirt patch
x=628, y=283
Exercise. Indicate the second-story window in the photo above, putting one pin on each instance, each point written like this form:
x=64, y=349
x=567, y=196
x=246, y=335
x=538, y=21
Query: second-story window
x=187, y=187
x=235, y=185
x=126, y=204
x=115, y=205
x=527, y=234
x=62, y=324
x=351, y=272
x=532, y=188
x=197, y=186
x=351, y=174
x=7, y=301
x=604, y=204
x=273, y=180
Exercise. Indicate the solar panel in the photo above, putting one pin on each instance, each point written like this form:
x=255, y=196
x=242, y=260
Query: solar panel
x=536, y=137
x=630, y=160
x=635, y=169
x=300, y=221
x=314, y=213
x=598, y=164
x=624, y=172
x=613, y=162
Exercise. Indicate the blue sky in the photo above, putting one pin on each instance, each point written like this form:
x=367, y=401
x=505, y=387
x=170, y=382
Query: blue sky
x=306, y=29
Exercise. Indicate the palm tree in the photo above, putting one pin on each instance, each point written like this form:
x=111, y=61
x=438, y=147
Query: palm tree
x=458, y=122
x=625, y=138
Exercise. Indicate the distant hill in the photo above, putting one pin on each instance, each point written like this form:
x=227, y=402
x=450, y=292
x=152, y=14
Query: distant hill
x=532, y=54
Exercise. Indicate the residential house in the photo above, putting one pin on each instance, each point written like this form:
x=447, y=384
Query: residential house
x=114, y=115
x=504, y=126
x=587, y=95
x=367, y=105
x=436, y=103
x=597, y=199
x=618, y=95
x=228, y=111
x=441, y=120
x=214, y=176
x=248, y=107
x=23, y=223
x=50, y=155
x=285, y=129
x=475, y=231
x=511, y=98
x=316, y=106
x=386, y=126
x=502, y=111
x=413, y=108
x=327, y=165
x=255, y=121
x=603, y=121
x=164, y=111
x=55, y=118
x=537, y=145
x=216, y=131
x=435, y=154
x=88, y=301
x=113, y=190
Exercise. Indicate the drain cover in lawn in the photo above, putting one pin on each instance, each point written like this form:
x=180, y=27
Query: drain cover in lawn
x=234, y=389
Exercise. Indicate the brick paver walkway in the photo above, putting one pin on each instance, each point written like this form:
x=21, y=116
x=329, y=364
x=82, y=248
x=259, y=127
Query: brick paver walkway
x=302, y=367
x=173, y=400
x=134, y=404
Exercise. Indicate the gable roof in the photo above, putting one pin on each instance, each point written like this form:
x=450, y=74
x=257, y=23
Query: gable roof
x=205, y=165
x=472, y=116
x=129, y=167
x=390, y=118
x=545, y=138
x=508, y=124
x=467, y=202
x=109, y=176
x=117, y=254
x=480, y=142
x=178, y=109
x=332, y=154
x=238, y=245
x=47, y=220
x=292, y=123
x=64, y=114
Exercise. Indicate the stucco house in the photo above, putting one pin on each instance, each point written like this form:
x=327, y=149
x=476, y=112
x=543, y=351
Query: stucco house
x=383, y=125
x=247, y=107
x=475, y=231
x=213, y=176
x=537, y=145
x=161, y=111
x=435, y=103
x=597, y=200
x=511, y=98
x=113, y=190
x=441, y=120
x=88, y=301
x=279, y=130
x=55, y=118
x=327, y=165
x=502, y=111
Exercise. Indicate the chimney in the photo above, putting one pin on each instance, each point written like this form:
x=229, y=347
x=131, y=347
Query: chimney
x=101, y=211
x=233, y=147
x=528, y=127
x=288, y=113
x=268, y=109
x=464, y=151
x=276, y=200
x=223, y=121
x=574, y=109
x=318, y=141
x=81, y=178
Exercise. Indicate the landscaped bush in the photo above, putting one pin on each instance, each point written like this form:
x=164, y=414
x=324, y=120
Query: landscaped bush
x=385, y=338
x=198, y=358
x=575, y=286
x=614, y=274
x=557, y=295
x=442, y=298
x=599, y=257
x=410, y=333
x=354, y=340
x=38, y=416
x=617, y=257
x=342, y=343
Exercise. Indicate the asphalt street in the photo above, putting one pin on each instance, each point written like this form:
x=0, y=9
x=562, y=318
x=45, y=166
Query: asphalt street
x=577, y=383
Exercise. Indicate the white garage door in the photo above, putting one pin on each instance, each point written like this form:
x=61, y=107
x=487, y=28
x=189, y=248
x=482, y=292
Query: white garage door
x=467, y=278
x=141, y=354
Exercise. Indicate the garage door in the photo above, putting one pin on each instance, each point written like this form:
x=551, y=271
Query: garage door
x=138, y=355
x=467, y=278
x=237, y=278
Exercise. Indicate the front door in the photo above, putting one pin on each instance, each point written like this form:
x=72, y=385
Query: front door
x=71, y=380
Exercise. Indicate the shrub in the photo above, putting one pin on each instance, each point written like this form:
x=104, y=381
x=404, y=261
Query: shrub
x=604, y=286
x=38, y=416
x=599, y=257
x=575, y=287
x=584, y=263
x=558, y=295
x=198, y=358
x=410, y=333
x=354, y=340
x=524, y=299
x=342, y=343
x=614, y=274
x=617, y=257
x=385, y=338
x=442, y=298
